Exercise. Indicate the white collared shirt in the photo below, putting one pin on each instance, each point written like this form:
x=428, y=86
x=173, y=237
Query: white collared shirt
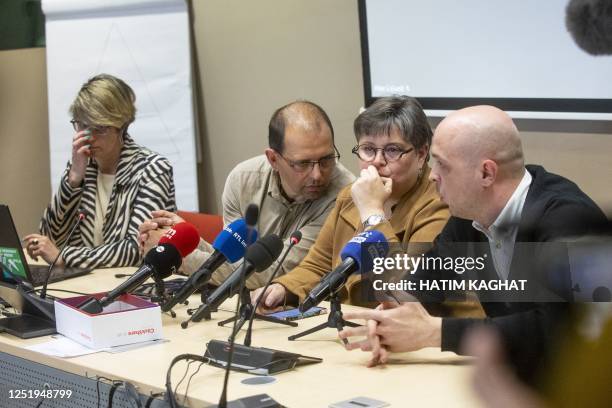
x=502, y=233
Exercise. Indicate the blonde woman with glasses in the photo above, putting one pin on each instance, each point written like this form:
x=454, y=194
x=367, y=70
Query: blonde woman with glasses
x=112, y=181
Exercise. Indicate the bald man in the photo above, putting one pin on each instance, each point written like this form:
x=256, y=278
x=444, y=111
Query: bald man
x=295, y=184
x=494, y=199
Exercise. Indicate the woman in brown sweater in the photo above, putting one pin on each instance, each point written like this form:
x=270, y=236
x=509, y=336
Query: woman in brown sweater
x=393, y=189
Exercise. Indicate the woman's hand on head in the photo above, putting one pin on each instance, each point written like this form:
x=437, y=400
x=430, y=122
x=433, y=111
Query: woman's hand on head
x=80, y=156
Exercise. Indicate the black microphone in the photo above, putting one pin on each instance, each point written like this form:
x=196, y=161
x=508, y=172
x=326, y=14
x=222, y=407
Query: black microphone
x=590, y=25
x=43, y=291
x=229, y=246
x=196, y=281
x=329, y=284
x=258, y=257
x=353, y=254
x=161, y=261
x=602, y=294
x=265, y=260
x=251, y=216
x=294, y=239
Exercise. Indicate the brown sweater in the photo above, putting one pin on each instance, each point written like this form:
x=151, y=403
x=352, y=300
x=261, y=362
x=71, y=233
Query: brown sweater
x=418, y=217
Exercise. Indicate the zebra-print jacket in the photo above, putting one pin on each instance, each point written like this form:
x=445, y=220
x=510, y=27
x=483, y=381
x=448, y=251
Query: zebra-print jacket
x=143, y=183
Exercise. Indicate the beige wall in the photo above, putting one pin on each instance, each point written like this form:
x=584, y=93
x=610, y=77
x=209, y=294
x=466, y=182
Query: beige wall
x=257, y=56
x=584, y=158
x=24, y=142
x=252, y=58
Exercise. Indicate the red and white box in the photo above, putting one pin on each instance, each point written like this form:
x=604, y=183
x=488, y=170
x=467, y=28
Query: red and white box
x=129, y=319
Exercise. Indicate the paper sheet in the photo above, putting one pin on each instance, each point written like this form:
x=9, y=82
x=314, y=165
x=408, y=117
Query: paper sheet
x=64, y=347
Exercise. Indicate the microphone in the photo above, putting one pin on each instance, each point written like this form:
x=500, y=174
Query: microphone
x=160, y=262
x=43, y=291
x=183, y=236
x=251, y=215
x=264, y=258
x=354, y=258
x=589, y=24
x=602, y=294
x=229, y=246
x=258, y=257
x=294, y=239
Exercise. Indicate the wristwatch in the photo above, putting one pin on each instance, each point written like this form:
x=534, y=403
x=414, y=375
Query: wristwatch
x=373, y=220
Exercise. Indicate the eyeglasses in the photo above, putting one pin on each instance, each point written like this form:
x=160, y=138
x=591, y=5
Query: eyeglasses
x=391, y=153
x=304, y=166
x=99, y=130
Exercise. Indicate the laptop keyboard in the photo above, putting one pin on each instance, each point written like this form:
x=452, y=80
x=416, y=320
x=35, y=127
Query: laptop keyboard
x=39, y=273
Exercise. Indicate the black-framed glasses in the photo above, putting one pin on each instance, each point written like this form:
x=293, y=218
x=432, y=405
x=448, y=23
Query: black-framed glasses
x=78, y=126
x=391, y=152
x=304, y=166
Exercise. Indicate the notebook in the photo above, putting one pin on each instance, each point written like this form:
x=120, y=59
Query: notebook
x=13, y=265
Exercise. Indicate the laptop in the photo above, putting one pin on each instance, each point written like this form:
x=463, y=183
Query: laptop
x=13, y=265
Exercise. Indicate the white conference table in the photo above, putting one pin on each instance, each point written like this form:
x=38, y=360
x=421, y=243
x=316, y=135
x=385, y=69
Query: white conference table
x=427, y=377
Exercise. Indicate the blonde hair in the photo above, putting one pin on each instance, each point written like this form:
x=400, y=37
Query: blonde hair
x=104, y=100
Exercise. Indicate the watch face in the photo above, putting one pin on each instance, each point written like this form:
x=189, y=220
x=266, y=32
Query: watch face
x=373, y=220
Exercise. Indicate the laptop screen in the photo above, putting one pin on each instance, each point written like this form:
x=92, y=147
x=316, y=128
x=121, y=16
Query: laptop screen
x=12, y=259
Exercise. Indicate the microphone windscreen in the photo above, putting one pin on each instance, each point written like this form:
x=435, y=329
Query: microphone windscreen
x=232, y=241
x=165, y=259
x=364, y=248
x=183, y=236
x=590, y=24
x=251, y=215
x=295, y=237
x=265, y=251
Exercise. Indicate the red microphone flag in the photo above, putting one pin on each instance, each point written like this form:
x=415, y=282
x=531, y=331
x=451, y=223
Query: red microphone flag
x=183, y=236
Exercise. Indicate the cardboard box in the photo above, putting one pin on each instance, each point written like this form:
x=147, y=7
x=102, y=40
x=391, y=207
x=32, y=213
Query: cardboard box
x=129, y=319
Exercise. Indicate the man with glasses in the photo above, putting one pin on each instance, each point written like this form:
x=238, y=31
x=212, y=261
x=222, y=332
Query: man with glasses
x=295, y=184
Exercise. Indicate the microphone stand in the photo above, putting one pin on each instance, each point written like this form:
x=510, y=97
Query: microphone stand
x=247, y=313
x=159, y=294
x=232, y=341
x=247, y=402
x=43, y=291
x=295, y=238
x=204, y=294
x=334, y=320
x=41, y=302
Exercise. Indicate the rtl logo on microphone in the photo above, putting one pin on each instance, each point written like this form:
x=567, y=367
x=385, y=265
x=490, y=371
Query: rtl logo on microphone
x=361, y=238
x=236, y=235
x=170, y=233
x=239, y=239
